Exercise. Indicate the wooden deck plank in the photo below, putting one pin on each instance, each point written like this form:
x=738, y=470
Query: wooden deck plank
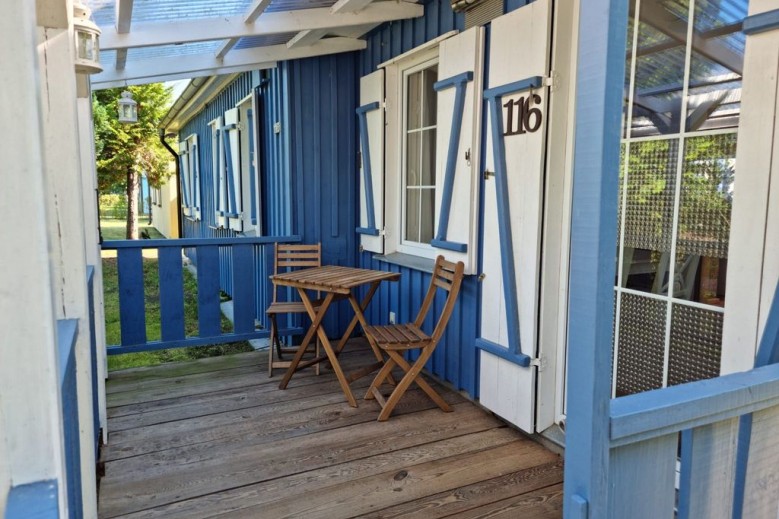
x=298, y=484
x=218, y=438
x=161, y=479
x=358, y=497
x=463, y=499
x=546, y=503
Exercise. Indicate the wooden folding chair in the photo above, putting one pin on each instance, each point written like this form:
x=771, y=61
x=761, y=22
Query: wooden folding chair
x=289, y=257
x=397, y=338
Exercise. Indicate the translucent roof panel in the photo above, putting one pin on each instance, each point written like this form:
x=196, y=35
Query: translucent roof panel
x=262, y=41
x=168, y=51
x=103, y=11
x=293, y=5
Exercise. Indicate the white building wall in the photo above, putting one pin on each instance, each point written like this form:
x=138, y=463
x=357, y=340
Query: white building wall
x=164, y=212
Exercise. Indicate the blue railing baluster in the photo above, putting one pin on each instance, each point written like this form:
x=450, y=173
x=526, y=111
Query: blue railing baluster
x=171, y=294
x=209, y=315
x=243, y=300
x=132, y=309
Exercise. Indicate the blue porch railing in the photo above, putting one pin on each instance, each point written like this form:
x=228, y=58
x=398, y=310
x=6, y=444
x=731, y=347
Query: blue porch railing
x=67, y=333
x=729, y=444
x=250, y=263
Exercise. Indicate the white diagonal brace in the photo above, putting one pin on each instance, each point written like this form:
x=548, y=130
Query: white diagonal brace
x=252, y=13
x=206, y=64
x=124, y=15
x=304, y=38
x=349, y=6
x=225, y=47
x=255, y=10
x=204, y=29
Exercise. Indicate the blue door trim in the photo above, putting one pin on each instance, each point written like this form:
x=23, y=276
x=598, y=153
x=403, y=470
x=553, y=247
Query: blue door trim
x=762, y=22
x=459, y=82
x=362, y=116
x=493, y=96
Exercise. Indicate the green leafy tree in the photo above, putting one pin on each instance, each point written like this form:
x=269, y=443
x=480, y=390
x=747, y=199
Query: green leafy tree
x=125, y=151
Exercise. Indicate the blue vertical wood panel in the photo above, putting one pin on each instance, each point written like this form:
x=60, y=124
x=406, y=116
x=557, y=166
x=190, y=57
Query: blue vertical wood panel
x=131, y=296
x=243, y=304
x=171, y=293
x=209, y=314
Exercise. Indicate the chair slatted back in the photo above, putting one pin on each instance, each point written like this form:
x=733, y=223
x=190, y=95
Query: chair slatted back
x=447, y=276
x=288, y=257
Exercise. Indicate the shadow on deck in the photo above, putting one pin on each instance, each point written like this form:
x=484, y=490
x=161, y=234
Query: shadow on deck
x=217, y=437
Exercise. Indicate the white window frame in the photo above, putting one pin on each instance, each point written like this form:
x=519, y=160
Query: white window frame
x=409, y=246
x=396, y=74
x=217, y=170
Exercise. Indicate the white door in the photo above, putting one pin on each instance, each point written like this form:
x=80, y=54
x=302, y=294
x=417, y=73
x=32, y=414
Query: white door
x=513, y=205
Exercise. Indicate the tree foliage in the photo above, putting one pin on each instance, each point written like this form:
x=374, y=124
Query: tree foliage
x=136, y=147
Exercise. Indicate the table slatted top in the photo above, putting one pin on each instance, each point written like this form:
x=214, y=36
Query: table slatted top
x=332, y=278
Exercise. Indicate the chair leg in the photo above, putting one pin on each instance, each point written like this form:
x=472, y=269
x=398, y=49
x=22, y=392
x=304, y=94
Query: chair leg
x=412, y=376
x=378, y=380
x=272, y=345
x=423, y=385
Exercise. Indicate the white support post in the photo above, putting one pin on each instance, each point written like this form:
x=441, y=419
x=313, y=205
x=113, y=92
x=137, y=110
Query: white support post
x=61, y=151
x=31, y=426
x=92, y=243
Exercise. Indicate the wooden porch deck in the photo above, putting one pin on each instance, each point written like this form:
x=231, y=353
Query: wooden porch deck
x=216, y=437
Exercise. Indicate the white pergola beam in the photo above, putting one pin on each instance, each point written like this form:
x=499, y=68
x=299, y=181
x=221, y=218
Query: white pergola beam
x=124, y=15
x=151, y=34
x=305, y=38
x=255, y=10
x=176, y=77
x=349, y=6
x=195, y=65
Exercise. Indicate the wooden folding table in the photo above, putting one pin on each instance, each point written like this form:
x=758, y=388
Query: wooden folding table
x=337, y=283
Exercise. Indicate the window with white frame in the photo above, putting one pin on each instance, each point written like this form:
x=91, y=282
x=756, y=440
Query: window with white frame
x=189, y=171
x=236, y=184
x=419, y=119
x=418, y=161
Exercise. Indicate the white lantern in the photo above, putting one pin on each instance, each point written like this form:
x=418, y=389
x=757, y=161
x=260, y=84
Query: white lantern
x=128, y=109
x=87, y=40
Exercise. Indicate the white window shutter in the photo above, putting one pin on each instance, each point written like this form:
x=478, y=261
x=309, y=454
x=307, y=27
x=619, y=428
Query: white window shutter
x=459, y=87
x=370, y=116
x=255, y=208
x=186, y=204
x=194, y=177
x=232, y=164
x=218, y=173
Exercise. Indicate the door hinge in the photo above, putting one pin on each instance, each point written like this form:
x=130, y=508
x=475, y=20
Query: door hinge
x=539, y=362
x=359, y=159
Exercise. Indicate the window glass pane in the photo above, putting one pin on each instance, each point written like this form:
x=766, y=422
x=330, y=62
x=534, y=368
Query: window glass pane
x=696, y=339
x=430, y=102
x=640, y=358
x=428, y=157
x=412, y=214
x=705, y=206
x=660, y=61
x=427, y=215
x=414, y=101
x=413, y=144
x=649, y=215
x=715, y=69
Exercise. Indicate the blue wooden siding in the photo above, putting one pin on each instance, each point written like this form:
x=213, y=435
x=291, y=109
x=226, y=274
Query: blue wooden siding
x=308, y=170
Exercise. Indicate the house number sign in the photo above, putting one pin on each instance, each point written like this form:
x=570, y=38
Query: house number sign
x=522, y=116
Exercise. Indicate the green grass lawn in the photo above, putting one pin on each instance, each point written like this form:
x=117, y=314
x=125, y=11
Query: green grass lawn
x=152, y=296
x=116, y=229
